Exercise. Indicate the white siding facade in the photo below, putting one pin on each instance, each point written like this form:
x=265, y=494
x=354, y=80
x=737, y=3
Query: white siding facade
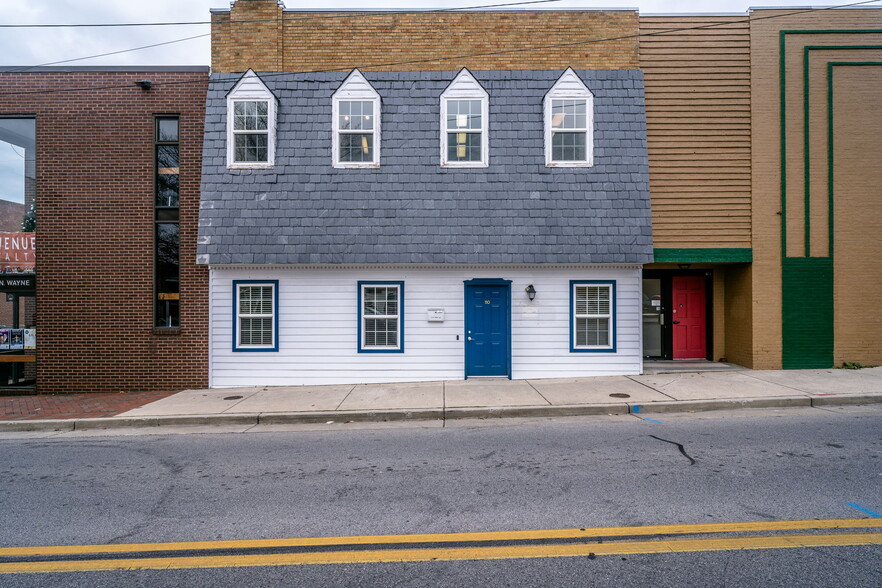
x=318, y=325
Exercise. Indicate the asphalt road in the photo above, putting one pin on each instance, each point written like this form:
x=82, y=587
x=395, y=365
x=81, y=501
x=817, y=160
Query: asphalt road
x=471, y=476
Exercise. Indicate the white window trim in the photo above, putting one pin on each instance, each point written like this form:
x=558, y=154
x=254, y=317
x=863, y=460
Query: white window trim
x=610, y=316
x=250, y=88
x=465, y=87
x=239, y=315
x=570, y=87
x=399, y=344
x=355, y=88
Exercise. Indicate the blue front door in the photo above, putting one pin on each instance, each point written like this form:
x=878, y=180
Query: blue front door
x=488, y=330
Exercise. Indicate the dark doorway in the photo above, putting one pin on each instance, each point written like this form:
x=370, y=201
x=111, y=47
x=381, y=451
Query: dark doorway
x=677, y=314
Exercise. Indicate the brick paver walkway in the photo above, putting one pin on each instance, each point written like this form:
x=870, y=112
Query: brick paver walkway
x=72, y=406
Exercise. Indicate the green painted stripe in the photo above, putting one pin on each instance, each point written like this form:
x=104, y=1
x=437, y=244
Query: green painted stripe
x=807, y=165
x=782, y=71
x=830, y=142
x=704, y=255
x=807, y=282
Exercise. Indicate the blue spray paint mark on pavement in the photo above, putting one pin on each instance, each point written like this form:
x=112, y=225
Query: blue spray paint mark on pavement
x=650, y=420
x=862, y=509
x=635, y=409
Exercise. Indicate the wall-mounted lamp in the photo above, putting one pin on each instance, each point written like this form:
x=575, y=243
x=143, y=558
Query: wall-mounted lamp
x=144, y=84
x=531, y=292
x=684, y=266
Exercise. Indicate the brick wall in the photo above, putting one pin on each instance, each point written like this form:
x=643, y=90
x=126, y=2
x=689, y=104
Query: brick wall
x=856, y=272
x=95, y=228
x=257, y=34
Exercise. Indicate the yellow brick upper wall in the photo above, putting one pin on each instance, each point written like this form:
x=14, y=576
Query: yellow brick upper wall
x=257, y=34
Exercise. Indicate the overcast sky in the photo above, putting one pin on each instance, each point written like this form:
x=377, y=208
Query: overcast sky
x=42, y=46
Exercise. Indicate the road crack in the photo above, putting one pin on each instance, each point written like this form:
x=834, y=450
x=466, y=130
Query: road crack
x=679, y=446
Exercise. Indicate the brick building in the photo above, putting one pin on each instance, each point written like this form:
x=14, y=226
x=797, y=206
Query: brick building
x=760, y=133
x=121, y=304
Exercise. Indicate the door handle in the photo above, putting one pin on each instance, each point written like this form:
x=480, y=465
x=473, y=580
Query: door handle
x=676, y=322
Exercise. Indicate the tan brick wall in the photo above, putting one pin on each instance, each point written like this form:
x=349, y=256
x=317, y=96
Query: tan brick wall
x=698, y=129
x=308, y=41
x=739, y=314
x=766, y=157
x=857, y=116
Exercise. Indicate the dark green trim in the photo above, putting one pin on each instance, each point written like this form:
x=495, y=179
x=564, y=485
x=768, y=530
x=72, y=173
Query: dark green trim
x=807, y=282
x=782, y=91
x=830, y=142
x=807, y=165
x=782, y=67
x=706, y=255
x=807, y=295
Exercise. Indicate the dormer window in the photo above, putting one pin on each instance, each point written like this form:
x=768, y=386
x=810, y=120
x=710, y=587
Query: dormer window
x=356, y=122
x=464, y=123
x=251, y=124
x=569, y=122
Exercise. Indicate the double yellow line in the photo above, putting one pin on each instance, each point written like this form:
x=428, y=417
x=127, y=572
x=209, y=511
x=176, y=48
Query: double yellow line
x=430, y=547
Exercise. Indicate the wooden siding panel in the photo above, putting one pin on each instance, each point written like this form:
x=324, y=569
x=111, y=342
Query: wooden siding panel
x=319, y=318
x=698, y=127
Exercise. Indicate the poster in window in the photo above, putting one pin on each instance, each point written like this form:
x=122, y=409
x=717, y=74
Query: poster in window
x=16, y=339
x=30, y=338
x=4, y=338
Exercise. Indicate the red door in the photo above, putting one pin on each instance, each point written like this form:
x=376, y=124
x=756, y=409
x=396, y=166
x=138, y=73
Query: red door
x=688, y=317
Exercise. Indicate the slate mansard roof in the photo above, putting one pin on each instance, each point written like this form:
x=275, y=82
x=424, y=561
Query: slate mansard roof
x=412, y=211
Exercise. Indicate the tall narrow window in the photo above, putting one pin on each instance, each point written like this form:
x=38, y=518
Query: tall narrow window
x=356, y=123
x=569, y=120
x=464, y=124
x=381, y=307
x=251, y=124
x=255, y=315
x=166, y=219
x=592, y=316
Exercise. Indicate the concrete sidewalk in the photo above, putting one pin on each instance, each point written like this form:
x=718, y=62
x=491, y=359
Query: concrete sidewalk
x=651, y=393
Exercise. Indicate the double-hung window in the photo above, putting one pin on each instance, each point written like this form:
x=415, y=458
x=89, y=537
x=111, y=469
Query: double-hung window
x=592, y=316
x=464, y=123
x=255, y=315
x=356, y=123
x=251, y=124
x=380, y=313
x=569, y=121
x=250, y=131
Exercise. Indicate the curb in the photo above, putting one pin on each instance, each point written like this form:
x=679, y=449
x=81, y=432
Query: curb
x=721, y=404
x=284, y=418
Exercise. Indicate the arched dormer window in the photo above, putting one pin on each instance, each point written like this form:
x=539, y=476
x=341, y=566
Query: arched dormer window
x=464, y=123
x=356, y=122
x=251, y=124
x=569, y=123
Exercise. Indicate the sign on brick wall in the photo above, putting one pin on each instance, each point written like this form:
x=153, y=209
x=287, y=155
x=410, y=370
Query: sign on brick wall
x=17, y=254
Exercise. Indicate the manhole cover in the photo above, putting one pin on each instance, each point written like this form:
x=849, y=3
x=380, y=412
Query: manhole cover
x=233, y=398
x=620, y=395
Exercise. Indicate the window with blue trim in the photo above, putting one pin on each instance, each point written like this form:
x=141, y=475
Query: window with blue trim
x=380, y=308
x=256, y=316
x=592, y=312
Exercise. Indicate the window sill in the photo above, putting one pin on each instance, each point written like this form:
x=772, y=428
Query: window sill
x=367, y=165
x=251, y=165
x=166, y=331
x=461, y=165
x=569, y=164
